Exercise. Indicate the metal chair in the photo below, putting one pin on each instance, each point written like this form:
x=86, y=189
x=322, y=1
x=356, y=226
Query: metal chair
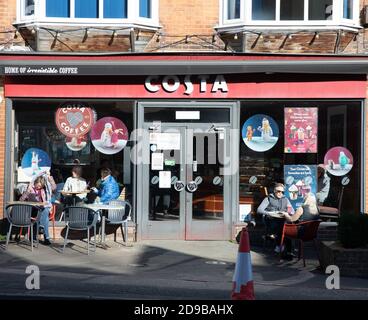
x=20, y=215
x=303, y=232
x=81, y=218
x=120, y=217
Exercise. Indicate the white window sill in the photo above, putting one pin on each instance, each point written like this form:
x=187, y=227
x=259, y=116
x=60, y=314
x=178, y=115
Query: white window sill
x=279, y=26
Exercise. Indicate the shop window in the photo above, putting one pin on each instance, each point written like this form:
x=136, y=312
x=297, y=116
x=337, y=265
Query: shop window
x=339, y=124
x=29, y=7
x=348, y=9
x=42, y=133
x=320, y=9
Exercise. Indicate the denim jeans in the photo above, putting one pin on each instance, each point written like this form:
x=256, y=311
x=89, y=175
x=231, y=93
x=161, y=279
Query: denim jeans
x=44, y=222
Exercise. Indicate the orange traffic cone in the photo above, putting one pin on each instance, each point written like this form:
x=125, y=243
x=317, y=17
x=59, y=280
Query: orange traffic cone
x=243, y=279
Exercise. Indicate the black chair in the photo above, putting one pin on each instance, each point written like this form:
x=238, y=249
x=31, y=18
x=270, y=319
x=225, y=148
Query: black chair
x=20, y=215
x=120, y=216
x=82, y=219
x=332, y=213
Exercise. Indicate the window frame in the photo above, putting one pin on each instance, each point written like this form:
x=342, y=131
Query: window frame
x=246, y=17
x=132, y=15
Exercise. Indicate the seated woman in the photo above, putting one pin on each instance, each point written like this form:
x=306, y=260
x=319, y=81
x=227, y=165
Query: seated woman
x=307, y=212
x=40, y=189
x=75, y=183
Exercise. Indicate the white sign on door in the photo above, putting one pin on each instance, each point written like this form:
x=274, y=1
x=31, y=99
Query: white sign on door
x=165, y=179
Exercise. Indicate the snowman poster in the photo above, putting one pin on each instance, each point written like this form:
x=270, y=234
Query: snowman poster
x=260, y=132
x=338, y=161
x=109, y=135
x=35, y=161
x=301, y=126
x=299, y=180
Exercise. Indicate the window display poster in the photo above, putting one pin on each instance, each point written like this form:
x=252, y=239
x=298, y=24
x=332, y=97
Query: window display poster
x=299, y=180
x=76, y=143
x=260, y=133
x=301, y=126
x=338, y=161
x=35, y=161
x=109, y=135
x=165, y=179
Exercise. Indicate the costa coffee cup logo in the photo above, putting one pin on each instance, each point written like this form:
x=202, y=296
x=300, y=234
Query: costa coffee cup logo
x=74, y=119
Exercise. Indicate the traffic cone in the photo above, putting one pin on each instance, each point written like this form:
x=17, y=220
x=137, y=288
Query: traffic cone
x=243, y=279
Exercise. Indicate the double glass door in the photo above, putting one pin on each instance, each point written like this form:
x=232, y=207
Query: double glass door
x=185, y=186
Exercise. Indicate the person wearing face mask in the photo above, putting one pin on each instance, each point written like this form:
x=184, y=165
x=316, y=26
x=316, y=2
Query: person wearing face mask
x=40, y=189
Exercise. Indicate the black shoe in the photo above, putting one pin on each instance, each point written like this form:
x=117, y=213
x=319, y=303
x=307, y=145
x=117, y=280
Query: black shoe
x=47, y=242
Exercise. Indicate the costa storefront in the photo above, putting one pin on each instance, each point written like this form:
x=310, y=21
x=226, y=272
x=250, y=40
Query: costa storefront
x=190, y=161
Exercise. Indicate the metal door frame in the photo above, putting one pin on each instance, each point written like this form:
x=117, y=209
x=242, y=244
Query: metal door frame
x=230, y=193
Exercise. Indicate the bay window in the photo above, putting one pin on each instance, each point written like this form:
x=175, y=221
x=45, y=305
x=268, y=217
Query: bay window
x=88, y=11
x=291, y=12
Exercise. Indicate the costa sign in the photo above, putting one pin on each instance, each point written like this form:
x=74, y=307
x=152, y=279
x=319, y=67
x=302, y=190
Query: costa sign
x=172, y=83
x=74, y=119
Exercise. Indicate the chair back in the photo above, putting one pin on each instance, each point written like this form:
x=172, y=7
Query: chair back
x=80, y=218
x=19, y=214
x=341, y=194
x=119, y=215
x=309, y=231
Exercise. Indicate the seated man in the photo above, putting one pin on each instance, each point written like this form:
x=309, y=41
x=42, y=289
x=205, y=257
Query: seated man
x=276, y=202
x=108, y=189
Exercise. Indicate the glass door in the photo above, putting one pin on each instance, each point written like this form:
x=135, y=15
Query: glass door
x=207, y=191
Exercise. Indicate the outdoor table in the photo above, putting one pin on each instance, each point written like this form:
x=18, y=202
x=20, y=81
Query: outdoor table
x=275, y=214
x=101, y=206
x=73, y=194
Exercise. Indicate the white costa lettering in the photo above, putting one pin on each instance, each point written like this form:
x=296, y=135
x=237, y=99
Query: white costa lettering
x=172, y=83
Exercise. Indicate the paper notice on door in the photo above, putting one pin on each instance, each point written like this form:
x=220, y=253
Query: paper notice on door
x=165, y=179
x=244, y=211
x=168, y=141
x=157, y=161
x=153, y=137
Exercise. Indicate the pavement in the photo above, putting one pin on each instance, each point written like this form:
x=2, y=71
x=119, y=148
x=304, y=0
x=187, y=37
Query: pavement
x=164, y=270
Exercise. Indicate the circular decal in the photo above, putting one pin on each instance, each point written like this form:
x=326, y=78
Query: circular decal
x=74, y=119
x=153, y=147
x=174, y=179
x=179, y=185
x=192, y=186
x=253, y=180
x=345, y=181
x=217, y=180
x=289, y=180
x=338, y=161
x=260, y=132
x=109, y=135
x=198, y=180
x=35, y=161
x=76, y=143
x=155, y=180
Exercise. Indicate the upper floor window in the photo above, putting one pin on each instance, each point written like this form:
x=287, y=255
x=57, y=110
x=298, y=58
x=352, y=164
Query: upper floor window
x=94, y=11
x=291, y=12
